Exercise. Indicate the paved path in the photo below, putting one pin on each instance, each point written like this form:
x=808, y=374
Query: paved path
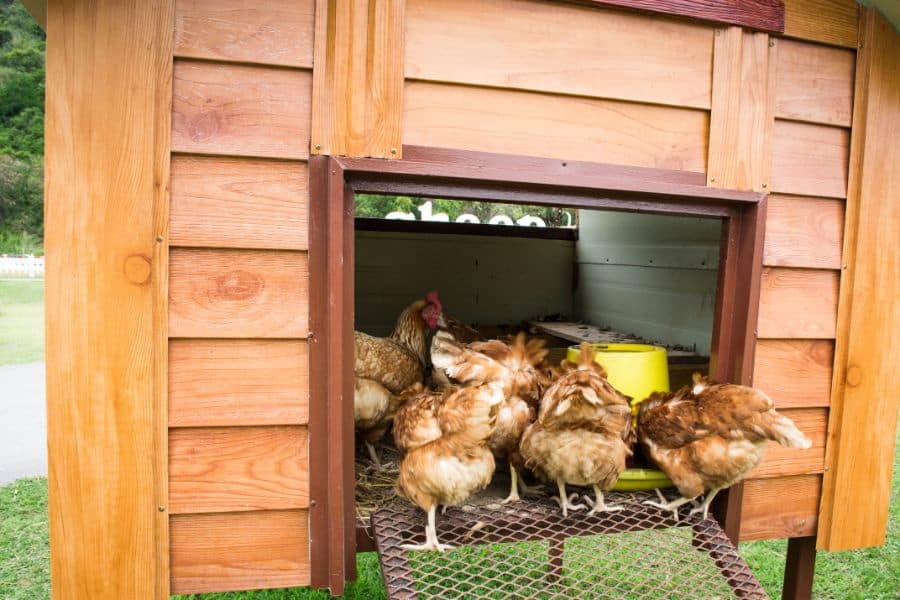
x=23, y=422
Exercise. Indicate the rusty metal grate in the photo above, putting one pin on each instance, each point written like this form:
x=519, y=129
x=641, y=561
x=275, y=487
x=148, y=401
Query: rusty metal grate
x=527, y=550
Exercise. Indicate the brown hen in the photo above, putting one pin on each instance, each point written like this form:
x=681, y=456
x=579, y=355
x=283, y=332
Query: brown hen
x=583, y=433
x=384, y=367
x=710, y=436
x=445, y=438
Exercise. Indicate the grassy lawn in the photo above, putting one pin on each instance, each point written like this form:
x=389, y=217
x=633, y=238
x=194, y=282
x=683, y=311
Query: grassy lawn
x=21, y=321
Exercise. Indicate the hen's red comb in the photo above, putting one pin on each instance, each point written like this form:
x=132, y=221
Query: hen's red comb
x=432, y=298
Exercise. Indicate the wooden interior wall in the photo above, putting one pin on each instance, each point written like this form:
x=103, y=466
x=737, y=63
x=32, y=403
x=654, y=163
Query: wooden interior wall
x=238, y=295
x=574, y=82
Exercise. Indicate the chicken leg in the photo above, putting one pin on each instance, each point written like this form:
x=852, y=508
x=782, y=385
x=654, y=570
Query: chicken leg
x=673, y=505
x=516, y=482
x=431, y=541
x=704, y=508
x=565, y=502
x=373, y=455
x=598, y=504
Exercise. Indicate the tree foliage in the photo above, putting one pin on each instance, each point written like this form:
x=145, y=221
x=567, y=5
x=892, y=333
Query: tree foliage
x=370, y=205
x=22, y=46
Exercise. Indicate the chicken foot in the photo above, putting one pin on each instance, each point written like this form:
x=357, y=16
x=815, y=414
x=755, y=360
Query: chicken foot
x=565, y=502
x=517, y=482
x=431, y=541
x=374, y=456
x=673, y=505
x=598, y=504
x=704, y=508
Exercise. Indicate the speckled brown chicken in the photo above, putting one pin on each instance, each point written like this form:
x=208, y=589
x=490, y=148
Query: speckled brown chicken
x=524, y=359
x=444, y=435
x=384, y=367
x=583, y=433
x=710, y=436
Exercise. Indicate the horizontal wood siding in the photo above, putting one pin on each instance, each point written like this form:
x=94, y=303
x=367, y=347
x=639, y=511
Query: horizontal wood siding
x=798, y=303
x=275, y=32
x=533, y=124
x=810, y=159
x=781, y=507
x=795, y=373
x=794, y=461
x=814, y=83
x=229, y=469
x=238, y=382
x=239, y=551
x=804, y=232
x=239, y=203
x=532, y=46
x=241, y=110
x=238, y=295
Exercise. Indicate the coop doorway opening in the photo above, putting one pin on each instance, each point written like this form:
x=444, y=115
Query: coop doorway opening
x=560, y=274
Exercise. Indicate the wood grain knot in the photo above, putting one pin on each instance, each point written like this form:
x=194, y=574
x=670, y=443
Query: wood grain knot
x=204, y=126
x=138, y=269
x=854, y=376
x=239, y=285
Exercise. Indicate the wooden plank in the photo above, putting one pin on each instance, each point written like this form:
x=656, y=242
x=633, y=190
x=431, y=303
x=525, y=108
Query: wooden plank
x=239, y=551
x=827, y=21
x=810, y=160
x=814, y=83
x=229, y=469
x=238, y=293
x=767, y=15
x=798, y=303
x=804, y=232
x=781, y=507
x=531, y=124
x=795, y=373
x=239, y=203
x=358, y=91
x=530, y=45
x=280, y=32
x=238, y=382
x=240, y=110
x=107, y=106
x=866, y=389
x=742, y=111
x=779, y=461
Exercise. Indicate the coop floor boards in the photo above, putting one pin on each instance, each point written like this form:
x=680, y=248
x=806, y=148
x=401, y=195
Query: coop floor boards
x=528, y=550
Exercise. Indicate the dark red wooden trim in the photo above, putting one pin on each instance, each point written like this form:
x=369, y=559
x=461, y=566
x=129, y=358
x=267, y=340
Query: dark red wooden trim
x=483, y=229
x=799, y=569
x=763, y=15
x=462, y=174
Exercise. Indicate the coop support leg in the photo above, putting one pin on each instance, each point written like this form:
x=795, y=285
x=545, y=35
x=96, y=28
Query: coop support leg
x=799, y=568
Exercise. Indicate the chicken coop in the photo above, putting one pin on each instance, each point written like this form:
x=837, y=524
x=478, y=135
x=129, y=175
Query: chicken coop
x=729, y=171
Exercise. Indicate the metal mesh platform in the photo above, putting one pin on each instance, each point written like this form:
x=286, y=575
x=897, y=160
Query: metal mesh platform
x=528, y=550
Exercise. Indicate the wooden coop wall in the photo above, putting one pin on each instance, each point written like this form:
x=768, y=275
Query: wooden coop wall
x=239, y=295
x=178, y=387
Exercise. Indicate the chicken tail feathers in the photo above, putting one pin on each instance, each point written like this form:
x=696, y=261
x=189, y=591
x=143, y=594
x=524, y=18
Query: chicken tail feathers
x=785, y=432
x=464, y=365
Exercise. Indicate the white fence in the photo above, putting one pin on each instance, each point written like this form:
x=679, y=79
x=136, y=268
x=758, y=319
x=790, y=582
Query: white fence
x=28, y=266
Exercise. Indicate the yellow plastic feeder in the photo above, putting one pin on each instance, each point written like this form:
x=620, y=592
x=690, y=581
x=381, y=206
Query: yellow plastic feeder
x=636, y=370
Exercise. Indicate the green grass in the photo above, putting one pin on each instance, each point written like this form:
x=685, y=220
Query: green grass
x=21, y=321
x=24, y=540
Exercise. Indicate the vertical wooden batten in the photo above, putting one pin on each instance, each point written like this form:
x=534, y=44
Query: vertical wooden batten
x=865, y=392
x=357, y=103
x=109, y=94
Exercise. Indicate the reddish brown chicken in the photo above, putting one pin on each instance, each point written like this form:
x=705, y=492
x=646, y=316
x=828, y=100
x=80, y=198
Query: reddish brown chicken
x=384, y=367
x=583, y=433
x=524, y=360
x=710, y=436
x=444, y=435
x=461, y=333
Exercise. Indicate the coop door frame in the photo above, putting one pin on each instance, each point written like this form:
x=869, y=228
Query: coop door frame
x=444, y=173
